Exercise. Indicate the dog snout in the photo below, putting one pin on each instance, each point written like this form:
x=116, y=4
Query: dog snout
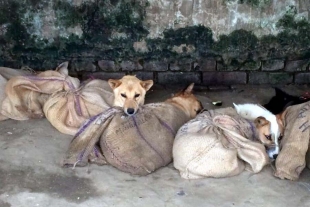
x=130, y=111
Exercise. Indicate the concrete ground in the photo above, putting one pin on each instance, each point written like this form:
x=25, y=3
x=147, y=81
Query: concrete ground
x=31, y=174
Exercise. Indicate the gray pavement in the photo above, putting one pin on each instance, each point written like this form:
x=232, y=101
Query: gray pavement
x=31, y=174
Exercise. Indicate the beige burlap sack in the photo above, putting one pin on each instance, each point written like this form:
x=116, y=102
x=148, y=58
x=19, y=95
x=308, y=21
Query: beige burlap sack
x=8, y=73
x=26, y=95
x=5, y=75
x=68, y=110
x=218, y=143
x=3, y=82
x=295, y=143
x=137, y=144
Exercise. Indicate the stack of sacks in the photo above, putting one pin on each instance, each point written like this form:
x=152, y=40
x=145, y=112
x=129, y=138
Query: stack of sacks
x=218, y=143
x=25, y=95
x=67, y=110
x=294, y=155
x=5, y=75
x=137, y=144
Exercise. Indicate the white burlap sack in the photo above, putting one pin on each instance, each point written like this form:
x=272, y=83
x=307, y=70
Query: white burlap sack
x=218, y=143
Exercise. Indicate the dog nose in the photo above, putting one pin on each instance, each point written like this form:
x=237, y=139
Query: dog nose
x=130, y=111
x=275, y=156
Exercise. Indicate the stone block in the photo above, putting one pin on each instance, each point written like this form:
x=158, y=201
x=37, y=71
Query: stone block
x=103, y=75
x=127, y=65
x=206, y=65
x=181, y=65
x=179, y=78
x=107, y=65
x=144, y=75
x=278, y=78
x=83, y=66
x=273, y=65
x=155, y=66
x=251, y=65
x=302, y=78
x=257, y=78
x=222, y=67
x=297, y=65
x=224, y=78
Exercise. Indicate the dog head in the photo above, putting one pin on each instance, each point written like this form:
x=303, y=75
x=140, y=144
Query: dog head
x=187, y=101
x=264, y=130
x=129, y=92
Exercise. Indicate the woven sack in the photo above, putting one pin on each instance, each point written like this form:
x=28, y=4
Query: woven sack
x=218, y=143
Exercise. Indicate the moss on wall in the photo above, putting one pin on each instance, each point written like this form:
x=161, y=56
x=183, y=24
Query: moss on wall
x=109, y=29
x=254, y=3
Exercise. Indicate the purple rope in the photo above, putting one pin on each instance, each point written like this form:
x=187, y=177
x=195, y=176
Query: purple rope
x=166, y=126
x=77, y=105
x=85, y=125
x=96, y=151
x=41, y=78
x=140, y=134
x=81, y=155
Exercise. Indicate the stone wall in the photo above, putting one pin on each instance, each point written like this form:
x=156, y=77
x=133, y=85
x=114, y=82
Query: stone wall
x=213, y=42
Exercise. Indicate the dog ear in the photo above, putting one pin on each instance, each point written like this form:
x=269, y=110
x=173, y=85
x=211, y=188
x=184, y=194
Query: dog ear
x=147, y=84
x=63, y=68
x=189, y=89
x=236, y=107
x=260, y=121
x=114, y=83
x=279, y=92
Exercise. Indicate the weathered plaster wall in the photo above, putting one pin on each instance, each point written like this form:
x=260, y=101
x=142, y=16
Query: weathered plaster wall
x=172, y=41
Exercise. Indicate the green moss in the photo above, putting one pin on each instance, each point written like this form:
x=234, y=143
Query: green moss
x=238, y=40
x=280, y=78
x=254, y=3
x=198, y=36
x=101, y=20
x=251, y=65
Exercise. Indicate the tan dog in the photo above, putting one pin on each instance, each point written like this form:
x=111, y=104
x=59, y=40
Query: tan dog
x=129, y=92
x=186, y=101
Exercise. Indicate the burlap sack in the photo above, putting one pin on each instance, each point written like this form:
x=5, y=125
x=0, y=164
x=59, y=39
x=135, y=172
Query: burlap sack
x=3, y=82
x=218, y=143
x=295, y=142
x=5, y=75
x=68, y=110
x=25, y=95
x=8, y=73
x=137, y=144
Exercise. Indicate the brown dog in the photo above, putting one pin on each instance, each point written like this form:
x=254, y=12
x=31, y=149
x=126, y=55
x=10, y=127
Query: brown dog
x=129, y=92
x=186, y=101
x=264, y=132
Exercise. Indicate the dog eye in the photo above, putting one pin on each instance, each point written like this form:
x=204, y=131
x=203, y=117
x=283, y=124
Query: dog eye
x=123, y=95
x=280, y=137
x=137, y=95
x=268, y=137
